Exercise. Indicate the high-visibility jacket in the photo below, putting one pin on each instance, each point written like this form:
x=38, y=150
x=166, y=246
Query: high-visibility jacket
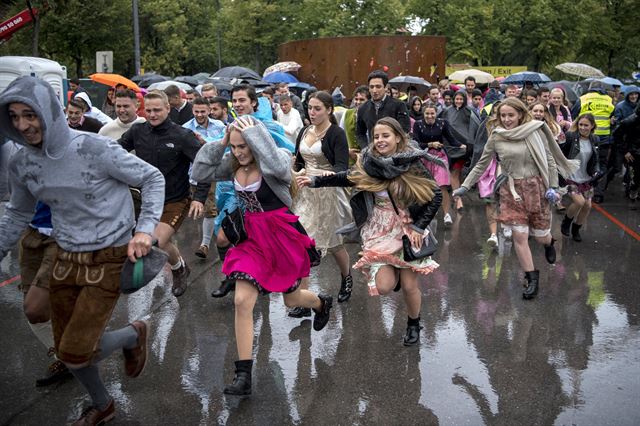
x=601, y=106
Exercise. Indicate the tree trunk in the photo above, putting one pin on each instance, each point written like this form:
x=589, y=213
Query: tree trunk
x=78, y=66
x=36, y=35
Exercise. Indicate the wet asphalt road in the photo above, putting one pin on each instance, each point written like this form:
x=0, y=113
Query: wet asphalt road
x=571, y=356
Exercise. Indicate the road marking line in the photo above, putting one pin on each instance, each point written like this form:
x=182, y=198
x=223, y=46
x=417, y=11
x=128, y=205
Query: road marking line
x=609, y=216
x=10, y=281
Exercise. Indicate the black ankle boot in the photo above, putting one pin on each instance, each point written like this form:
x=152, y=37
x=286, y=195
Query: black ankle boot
x=566, y=225
x=575, y=232
x=550, y=252
x=242, y=381
x=226, y=286
x=531, y=288
x=412, y=335
x=345, y=289
x=322, y=316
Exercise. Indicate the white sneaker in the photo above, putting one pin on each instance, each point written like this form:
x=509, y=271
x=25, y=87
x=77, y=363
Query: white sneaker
x=493, y=241
x=506, y=232
x=447, y=220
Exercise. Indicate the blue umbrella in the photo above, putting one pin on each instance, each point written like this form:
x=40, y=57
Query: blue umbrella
x=280, y=77
x=526, y=76
x=611, y=81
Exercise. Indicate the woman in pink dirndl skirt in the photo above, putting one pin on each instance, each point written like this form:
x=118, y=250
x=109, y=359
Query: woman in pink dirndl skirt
x=275, y=256
x=433, y=134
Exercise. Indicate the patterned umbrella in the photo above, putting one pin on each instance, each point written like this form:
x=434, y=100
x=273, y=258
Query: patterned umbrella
x=287, y=66
x=480, y=76
x=581, y=70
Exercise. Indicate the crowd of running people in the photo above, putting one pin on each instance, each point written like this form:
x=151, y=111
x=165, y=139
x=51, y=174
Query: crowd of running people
x=279, y=183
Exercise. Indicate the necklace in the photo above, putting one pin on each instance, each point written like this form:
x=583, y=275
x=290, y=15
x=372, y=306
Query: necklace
x=321, y=134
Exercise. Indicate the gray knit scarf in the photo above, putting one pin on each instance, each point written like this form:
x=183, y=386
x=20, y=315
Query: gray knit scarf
x=394, y=165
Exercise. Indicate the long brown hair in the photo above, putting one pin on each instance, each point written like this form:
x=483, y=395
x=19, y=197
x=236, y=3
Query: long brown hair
x=551, y=121
x=235, y=165
x=412, y=187
x=586, y=116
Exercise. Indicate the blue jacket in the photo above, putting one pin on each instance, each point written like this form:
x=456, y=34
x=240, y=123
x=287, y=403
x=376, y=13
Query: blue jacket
x=625, y=108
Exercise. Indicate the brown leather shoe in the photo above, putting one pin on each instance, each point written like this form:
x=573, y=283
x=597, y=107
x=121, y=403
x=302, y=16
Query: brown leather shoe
x=180, y=280
x=93, y=416
x=202, y=252
x=136, y=358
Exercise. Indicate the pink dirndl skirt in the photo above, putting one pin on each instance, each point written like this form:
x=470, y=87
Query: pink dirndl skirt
x=274, y=255
x=440, y=173
x=488, y=180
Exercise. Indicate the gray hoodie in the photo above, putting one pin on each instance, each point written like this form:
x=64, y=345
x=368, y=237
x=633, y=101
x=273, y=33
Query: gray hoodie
x=83, y=177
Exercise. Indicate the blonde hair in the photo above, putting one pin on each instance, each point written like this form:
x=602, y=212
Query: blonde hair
x=157, y=94
x=411, y=187
x=514, y=103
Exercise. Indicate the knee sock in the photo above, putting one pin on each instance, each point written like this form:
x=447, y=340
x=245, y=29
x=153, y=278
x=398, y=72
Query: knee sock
x=413, y=321
x=208, y=226
x=44, y=333
x=90, y=379
x=126, y=338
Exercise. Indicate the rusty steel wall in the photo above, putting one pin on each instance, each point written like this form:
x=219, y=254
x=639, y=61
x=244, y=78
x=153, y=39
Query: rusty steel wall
x=331, y=62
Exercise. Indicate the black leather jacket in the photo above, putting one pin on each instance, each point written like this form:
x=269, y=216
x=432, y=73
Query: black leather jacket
x=571, y=149
x=362, y=202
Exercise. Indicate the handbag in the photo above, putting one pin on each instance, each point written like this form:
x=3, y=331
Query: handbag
x=428, y=248
x=455, y=152
x=233, y=226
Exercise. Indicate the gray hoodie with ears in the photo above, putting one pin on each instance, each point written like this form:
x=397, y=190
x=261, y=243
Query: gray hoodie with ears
x=83, y=177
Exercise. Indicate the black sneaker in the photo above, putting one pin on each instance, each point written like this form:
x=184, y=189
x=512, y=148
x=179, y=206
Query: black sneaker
x=180, y=280
x=322, y=317
x=57, y=372
x=299, y=312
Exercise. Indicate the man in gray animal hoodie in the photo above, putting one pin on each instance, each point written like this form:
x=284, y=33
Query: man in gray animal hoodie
x=85, y=179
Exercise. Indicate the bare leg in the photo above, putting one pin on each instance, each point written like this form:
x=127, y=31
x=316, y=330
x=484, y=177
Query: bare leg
x=245, y=300
x=342, y=259
x=584, y=213
x=577, y=202
x=446, y=200
x=521, y=246
x=386, y=279
x=490, y=212
x=546, y=240
x=303, y=298
x=412, y=293
x=455, y=184
x=163, y=233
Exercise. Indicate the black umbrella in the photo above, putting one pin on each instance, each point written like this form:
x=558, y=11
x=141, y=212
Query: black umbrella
x=153, y=78
x=201, y=76
x=191, y=81
x=404, y=82
x=241, y=73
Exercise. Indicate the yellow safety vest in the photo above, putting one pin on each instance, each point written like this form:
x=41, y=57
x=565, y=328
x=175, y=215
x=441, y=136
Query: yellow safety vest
x=601, y=107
